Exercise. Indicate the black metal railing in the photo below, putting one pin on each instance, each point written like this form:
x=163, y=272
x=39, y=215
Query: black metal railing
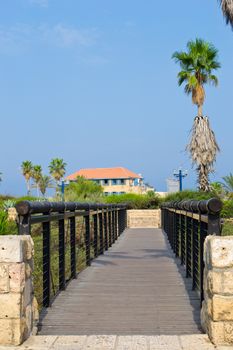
x=67, y=237
x=187, y=223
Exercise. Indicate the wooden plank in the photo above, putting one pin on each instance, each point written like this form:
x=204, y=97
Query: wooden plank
x=137, y=287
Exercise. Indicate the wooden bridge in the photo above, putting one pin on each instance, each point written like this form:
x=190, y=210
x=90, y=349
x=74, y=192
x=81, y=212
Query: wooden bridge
x=137, y=287
x=136, y=281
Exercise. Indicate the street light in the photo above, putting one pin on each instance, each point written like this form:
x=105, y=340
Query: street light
x=180, y=174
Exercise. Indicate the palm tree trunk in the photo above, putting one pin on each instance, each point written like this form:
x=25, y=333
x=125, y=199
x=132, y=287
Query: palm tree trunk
x=200, y=110
x=203, y=178
x=28, y=187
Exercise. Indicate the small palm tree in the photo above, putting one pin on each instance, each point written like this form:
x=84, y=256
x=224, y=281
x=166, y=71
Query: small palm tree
x=27, y=169
x=36, y=175
x=44, y=182
x=197, y=66
x=57, y=169
x=227, y=9
x=228, y=182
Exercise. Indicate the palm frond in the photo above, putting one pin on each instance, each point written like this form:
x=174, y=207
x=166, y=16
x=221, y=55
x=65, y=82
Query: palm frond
x=227, y=9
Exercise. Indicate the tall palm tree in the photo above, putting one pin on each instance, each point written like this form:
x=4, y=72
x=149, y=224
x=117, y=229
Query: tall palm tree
x=36, y=175
x=27, y=169
x=227, y=9
x=44, y=183
x=57, y=169
x=0, y=176
x=197, y=66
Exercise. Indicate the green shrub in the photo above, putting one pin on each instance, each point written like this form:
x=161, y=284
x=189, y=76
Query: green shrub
x=84, y=191
x=188, y=194
x=227, y=211
x=135, y=201
x=3, y=223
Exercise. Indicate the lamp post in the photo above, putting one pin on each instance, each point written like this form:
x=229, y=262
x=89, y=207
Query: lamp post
x=180, y=174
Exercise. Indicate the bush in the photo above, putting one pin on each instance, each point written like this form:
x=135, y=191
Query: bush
x=84, y=191
x=135, y=201
x=7, y=227
x=227, y=211
x=188, y=194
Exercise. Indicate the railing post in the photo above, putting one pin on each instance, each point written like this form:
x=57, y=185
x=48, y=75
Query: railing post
x=95, y=219
x=101, y=250
x=87, y=239
x=73, y=247
x=46, y=265
x=24, y=225
x=110, y=227
x=106, y=229
x=62, y=283
x=113, y=226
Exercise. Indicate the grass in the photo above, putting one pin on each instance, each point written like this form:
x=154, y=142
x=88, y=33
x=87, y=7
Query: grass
x=54, y=251
x=227, y=227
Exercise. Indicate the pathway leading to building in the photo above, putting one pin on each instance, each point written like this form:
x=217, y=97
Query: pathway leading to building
x=135, y=288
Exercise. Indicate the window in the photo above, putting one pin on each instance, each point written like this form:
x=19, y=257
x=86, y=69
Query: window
x=105, y=182
x=114, y=182
x=114, y=192
x=122, y=192
x=106, y=194
x=122, y=182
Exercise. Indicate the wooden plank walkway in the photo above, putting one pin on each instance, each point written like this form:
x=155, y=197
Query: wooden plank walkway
x=137, y=287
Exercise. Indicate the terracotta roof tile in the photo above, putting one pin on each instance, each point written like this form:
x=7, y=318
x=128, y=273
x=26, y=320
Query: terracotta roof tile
x=104, y=173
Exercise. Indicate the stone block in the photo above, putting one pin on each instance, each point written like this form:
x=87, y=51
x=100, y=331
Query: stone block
x=219, y=252
x=11, y=249
x=4, y=278
x=216, y=332
x=228, y=332
x=28, y=269
x=28, y=247
x=17, y=277
x=222, y=308
x=11, y=305
x=220, y=281
x=27, y=293
x=11, y=331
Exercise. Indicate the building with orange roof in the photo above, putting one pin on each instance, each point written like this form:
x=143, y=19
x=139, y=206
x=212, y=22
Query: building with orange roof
x=116, y=180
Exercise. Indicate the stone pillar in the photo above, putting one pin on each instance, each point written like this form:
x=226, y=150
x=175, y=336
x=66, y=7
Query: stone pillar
x=18, y=307
x=217, y=307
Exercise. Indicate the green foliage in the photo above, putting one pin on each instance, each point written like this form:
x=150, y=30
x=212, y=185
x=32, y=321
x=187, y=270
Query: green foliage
x=84, y=190
x=227, y=211
x=57, y=168
x=136, y=201
x=3, y=223
x=197, y=65
x=228, y=182
x=7, y=227
x=9, y=203
x=36, y=173
x=188, y=194
x=44, y=182
x=227, y=229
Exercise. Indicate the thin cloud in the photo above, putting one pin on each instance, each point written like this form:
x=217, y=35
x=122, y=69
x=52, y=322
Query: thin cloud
x=15, y=39
x=68, y=37
x=41, y=3
x=20, y=38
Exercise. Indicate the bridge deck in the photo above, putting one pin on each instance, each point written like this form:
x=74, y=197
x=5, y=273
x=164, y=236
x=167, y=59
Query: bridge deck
x=137, y=287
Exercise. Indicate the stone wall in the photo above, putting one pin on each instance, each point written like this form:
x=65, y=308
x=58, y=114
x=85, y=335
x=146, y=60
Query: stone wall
x=18, y=311
x=144, y=218
x=217, y=308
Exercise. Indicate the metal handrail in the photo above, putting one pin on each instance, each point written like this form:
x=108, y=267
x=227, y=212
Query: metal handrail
x=187, y=223
x=103, y=224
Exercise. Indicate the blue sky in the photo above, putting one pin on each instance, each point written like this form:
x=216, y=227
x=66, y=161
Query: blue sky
x=93, y=82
